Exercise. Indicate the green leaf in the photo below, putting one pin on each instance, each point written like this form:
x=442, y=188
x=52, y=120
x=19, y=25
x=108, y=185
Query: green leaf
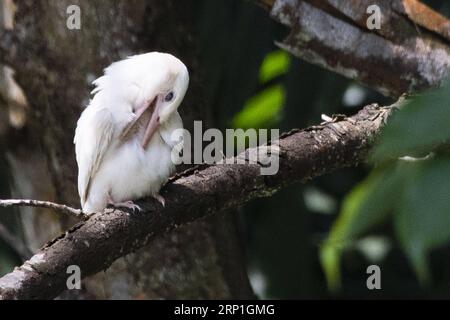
x=366, y=206
x=275, y=64
x=421, y=125
x=423, y=220
x=417, y=192
x=330, y=256
x=262, y=110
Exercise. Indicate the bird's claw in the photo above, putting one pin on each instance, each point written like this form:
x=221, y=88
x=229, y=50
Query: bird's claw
x=129, y=205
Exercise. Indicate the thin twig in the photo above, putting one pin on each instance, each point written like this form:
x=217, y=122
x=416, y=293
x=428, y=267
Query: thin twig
x=15, y=243
x=42, y=204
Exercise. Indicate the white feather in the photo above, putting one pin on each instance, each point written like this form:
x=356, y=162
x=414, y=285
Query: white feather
x=110, y=167
x=93, y=135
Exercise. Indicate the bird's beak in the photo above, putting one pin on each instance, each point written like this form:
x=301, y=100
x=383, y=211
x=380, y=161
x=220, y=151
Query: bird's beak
x=153, y=124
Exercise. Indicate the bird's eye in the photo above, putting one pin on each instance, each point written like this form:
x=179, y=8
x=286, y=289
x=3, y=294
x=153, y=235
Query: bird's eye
x=169, y=97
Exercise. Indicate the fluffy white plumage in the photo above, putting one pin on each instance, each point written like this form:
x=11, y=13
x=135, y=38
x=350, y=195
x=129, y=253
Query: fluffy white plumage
x=123, y=138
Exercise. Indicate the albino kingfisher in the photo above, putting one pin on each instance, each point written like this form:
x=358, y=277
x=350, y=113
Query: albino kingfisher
x=123, y=140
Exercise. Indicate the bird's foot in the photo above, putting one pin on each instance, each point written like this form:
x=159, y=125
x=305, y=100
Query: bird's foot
x=159, y=198
x=127, y=204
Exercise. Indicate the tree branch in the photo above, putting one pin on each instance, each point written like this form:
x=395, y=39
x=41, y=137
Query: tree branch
x=5, y=203
x=95, y=243
x=409, y=52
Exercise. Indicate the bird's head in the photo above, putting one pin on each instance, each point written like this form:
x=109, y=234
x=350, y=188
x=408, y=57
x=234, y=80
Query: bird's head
x=152, y=81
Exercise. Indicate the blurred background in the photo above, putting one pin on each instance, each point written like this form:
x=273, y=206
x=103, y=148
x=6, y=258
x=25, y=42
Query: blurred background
x=249, y=82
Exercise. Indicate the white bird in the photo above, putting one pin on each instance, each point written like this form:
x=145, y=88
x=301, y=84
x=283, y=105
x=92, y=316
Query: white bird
x=123, y=138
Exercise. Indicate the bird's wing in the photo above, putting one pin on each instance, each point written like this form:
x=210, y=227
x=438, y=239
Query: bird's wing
x=93, y=136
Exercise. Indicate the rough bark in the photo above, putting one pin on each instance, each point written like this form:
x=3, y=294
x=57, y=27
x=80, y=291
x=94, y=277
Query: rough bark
x=410, y=51
x=94, y=244
x=54, y=66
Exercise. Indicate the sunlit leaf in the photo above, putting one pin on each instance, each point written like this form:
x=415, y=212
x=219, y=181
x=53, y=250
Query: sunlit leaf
x=275, y=64
x=262, y=110
x=330, y=257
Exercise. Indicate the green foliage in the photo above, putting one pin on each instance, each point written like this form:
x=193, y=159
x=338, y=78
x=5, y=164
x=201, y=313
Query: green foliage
x=422, y=219
x=421, y=126
x=367, y=205
x=264, y=109
x=275, y=64
x=413, y=192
